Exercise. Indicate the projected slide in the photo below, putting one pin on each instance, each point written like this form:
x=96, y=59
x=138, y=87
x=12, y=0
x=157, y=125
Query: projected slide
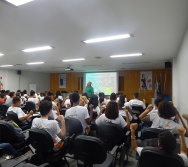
x=106, y=82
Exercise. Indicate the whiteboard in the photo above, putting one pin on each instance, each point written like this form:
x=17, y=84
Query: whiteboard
x=33, y=87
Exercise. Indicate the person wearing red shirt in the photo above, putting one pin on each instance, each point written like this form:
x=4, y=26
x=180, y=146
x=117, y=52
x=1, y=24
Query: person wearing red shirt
x=2, y=98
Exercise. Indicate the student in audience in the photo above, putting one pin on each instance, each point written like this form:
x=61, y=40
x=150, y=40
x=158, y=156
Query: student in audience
x=166, y=142
x=111, y=114
x=102, y=103
x=136, y=101
x=55, y=102
x=3, y=91
x=42, y=95
x=9, y=100
x=80, y=112
x=16, y=109
x=18, y=91
x=7, y=94
x=33, y=98
x=25, y=93
x=2, y=98
x=156, y=105
x=122, y=111
x=83, y=101
x=113, y=97
x=58, y=95
x=89, y=90
x=94, y=101
x=67, y=102
x=51, y=126
x=23, y=98
x=85, y=94
x=164, y=118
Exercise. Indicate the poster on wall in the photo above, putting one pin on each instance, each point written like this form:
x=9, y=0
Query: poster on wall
x=1, y=83
x=146, y=80
x=62, y=81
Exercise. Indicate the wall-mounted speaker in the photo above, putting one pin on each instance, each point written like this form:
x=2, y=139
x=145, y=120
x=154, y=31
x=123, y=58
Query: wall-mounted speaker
x=168, y=65
x=19, y=72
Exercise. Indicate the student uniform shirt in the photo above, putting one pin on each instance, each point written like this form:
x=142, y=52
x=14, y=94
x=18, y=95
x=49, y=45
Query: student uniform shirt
x=118, y=121
x=34, y=100
x=51, y=126
x=158, y=122
x=80, y=113
x=137, y=103
x=183, y=156
x=9, y=101
x=18, y=111
x=123, y=114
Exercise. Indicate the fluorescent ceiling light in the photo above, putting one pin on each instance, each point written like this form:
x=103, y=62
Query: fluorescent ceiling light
x=6, y=65
x=34, y=63
x=37, y=49
x=127, y=55
x=1, y=54
x=108, y=38
x=18, y=2
x=68, y=60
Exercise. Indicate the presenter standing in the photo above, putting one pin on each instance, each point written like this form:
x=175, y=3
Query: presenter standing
x=89, y=89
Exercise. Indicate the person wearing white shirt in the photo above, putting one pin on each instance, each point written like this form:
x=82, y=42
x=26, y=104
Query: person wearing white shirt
x=166, y=142
x=136, y=101
x=7, y=93
x=94, y=101
x=33, y=98
x=58, y=95
x=79, y=112
x=122, y=111
x=156, y=105
x=9, y=100
x=16, y=109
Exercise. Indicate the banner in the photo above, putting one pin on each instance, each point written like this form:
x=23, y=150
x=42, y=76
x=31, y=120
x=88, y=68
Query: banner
x=146, y=80
x=62, y=81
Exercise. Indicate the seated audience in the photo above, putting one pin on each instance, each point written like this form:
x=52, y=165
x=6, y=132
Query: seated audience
x=113, y=97
x=2, y=98
x=164, y=118
x=94, y=101
x=102, y=103
x=122, y=111
x=83, y=101
x=16, y=109
x=156, y=105
x=51, y=126
x=9, y=100
x=58, y=95
x=136, y=101
x=85, y=94
x=111, y=114
x=33, y=98
x=79, y=112
x=67, y=102
x=25, y=93
x=166, y=142
x=7, y=94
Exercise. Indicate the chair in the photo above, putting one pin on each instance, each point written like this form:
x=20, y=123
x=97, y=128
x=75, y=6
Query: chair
x=24, y=125
x=91, y=152
x=42, y=142
x=137, y=109
x=73, y=126
x=30, y=106
x=154, y=157
x=150, y=133
x=4, y=109
x=8, y=135
x=113, y=135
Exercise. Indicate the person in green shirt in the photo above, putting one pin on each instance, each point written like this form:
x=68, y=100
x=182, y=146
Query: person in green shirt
x=89, y=90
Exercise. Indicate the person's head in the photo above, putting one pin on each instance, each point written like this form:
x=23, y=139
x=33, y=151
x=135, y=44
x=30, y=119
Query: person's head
x=12, y=94
x=89, y=83
x=2, y=91
x=58, y=93
x=42, y=94
x=167, y=141
x=121, y=103
x=136, y=95
x=113, y=97
x=75, y=98
x=7, y=92
x=84, y=94
x=19, y=91
x=94, y=101
x=18, y=94
x=3, y=96
x=112, y=111
x=16, y=101
x=100, y=94
x=101, y=99
x=32, y=93
x=50, y=94
x=166, y=110
x=45, y=108
x=24, y=92
x=157, y=102
x=47, y=98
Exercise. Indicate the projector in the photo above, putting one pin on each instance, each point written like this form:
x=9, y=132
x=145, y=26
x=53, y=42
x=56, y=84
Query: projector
x=69, y=68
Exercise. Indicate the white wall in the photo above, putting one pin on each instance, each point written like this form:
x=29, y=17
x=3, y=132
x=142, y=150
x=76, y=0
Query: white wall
x=11, y=80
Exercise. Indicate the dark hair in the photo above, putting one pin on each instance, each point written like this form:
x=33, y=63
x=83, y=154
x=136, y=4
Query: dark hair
x=45, y=107
x=42, y=94
x=112, y=111
x=121, y=102
x=101, y=99
x=113, y=97
x=24, y=91
x=166, y=110
x=15, y=100
x=2, y=95
x=19, y=91
x=47, y=98
x=11, y=94
x=2, y=91
x=58, y=93
x=167, y=141
x=74, y=97
x=93, y=100
x=157, y=101
x=32, y=93
x=84, y=94
x=136, y=95
x=7, y=92
x=50, y=93
x=18, y=94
